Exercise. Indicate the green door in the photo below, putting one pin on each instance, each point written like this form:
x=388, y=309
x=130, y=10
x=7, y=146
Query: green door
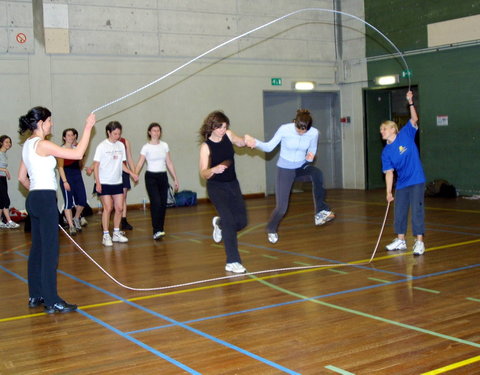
x=378, y=105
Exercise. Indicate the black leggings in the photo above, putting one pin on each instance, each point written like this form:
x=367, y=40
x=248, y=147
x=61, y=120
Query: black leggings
x=43, y=259
x=228, y=200
x=157, y=189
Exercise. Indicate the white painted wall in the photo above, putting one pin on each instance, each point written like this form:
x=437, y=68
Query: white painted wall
x=116, y=47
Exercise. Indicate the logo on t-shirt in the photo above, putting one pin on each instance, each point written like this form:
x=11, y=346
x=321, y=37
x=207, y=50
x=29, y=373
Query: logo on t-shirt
x=402, y=149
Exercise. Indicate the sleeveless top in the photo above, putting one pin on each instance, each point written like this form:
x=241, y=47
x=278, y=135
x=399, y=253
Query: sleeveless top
x=41, y=169
x=222, y=152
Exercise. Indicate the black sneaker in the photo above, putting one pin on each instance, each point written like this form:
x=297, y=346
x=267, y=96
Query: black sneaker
x=61, y=307
x=125, y=225
x=35, y=301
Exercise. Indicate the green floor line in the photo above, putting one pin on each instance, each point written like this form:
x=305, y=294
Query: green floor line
x=269, y=256
x=365, y=315
x=379, y=280
x=338, y=370
x=337, y=271
x=426, y=290
x=473, y=299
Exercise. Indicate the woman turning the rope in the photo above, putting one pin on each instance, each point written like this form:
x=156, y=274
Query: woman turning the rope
x=37, y=174
x=217, y=166
x=401, y=155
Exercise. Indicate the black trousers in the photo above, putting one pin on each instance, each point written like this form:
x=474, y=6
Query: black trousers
x=43, y=259
x=157, y=189
x=228, y=201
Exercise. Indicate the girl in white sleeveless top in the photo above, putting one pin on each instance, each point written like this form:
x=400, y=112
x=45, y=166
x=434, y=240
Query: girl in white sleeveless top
x=37, y=174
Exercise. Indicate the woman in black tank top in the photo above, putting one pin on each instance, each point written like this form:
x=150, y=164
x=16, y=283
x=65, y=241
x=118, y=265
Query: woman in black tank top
x=217, y=166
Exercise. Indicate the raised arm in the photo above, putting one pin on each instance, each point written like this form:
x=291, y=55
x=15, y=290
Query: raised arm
x=46, y=148
x=413, y=111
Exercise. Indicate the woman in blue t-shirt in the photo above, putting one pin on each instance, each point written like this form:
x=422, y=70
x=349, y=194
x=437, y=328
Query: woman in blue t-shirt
x=401, y=155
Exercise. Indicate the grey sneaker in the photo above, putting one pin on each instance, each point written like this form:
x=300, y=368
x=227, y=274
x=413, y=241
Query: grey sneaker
x=83, y=222
x=107, y=240
x=77, y=224
x=217, y=231
x=323, y=217
x=418, y=248
x=397, y=244
x=119, y=236
x=12, y=225
x=72, y=231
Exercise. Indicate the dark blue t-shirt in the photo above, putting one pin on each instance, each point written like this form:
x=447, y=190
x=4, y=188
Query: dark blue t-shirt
x=402, y=155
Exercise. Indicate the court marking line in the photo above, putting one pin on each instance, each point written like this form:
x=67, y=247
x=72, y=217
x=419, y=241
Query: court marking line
x=139, y=343
x=338, y=370
x=366, y=315
x=178, y=324
x=453, y=366
x=302, y=300
x=408, y=278
x=473, y=299
x=427, y=290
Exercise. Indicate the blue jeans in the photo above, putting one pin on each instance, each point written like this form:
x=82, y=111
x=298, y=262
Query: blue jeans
x=410, y=197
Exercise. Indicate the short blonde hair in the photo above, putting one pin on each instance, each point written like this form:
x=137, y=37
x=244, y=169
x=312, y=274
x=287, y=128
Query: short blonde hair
x=390, y=124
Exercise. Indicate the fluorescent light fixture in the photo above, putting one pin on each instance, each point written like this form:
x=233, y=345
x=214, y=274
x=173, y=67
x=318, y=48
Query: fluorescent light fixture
x=304, y=85
x=387, y=80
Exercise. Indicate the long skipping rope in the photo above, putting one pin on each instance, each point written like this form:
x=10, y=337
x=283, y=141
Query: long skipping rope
x=230, y=276
x=250, y=32
x=192, y=61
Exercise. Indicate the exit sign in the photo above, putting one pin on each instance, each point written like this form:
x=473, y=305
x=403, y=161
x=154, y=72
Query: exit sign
x=276, y=82
x=406, y=73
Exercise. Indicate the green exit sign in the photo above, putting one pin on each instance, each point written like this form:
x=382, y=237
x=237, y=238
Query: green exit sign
x=406, y=73
x=276, y=82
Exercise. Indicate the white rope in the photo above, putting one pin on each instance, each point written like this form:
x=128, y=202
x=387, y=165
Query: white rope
x=230, y=276
x=250, y=32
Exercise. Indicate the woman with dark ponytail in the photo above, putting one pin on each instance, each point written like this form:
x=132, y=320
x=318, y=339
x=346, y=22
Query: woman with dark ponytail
x=37, y=174
x=298, y=146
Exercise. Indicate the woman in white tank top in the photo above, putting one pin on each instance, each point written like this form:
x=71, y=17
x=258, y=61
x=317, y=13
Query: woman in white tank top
x=37, y=174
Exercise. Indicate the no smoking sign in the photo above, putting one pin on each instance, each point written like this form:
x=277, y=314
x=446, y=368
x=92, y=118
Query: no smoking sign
x=21, y=38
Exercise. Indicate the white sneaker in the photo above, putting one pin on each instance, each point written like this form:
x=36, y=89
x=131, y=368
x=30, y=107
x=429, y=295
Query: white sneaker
x=119, y=236
x=272, y=237
x=397, y=244
x=2, y=224
x=12, y=225
x=83, y=222
x=77, y=224
x=158, y=235
x=418, y=248
x=107, y=240
x=235, y=268
x=323, y=217
x=217, y=231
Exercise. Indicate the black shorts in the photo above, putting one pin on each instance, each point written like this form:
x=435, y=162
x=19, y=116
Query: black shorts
x=111, y=189
x=126, y=181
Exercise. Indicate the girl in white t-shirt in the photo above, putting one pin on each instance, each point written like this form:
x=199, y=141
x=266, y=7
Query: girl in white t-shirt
x=108, y=167
x=157, y=155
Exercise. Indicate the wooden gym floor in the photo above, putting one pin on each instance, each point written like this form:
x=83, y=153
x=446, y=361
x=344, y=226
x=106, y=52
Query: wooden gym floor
x=398, y=315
